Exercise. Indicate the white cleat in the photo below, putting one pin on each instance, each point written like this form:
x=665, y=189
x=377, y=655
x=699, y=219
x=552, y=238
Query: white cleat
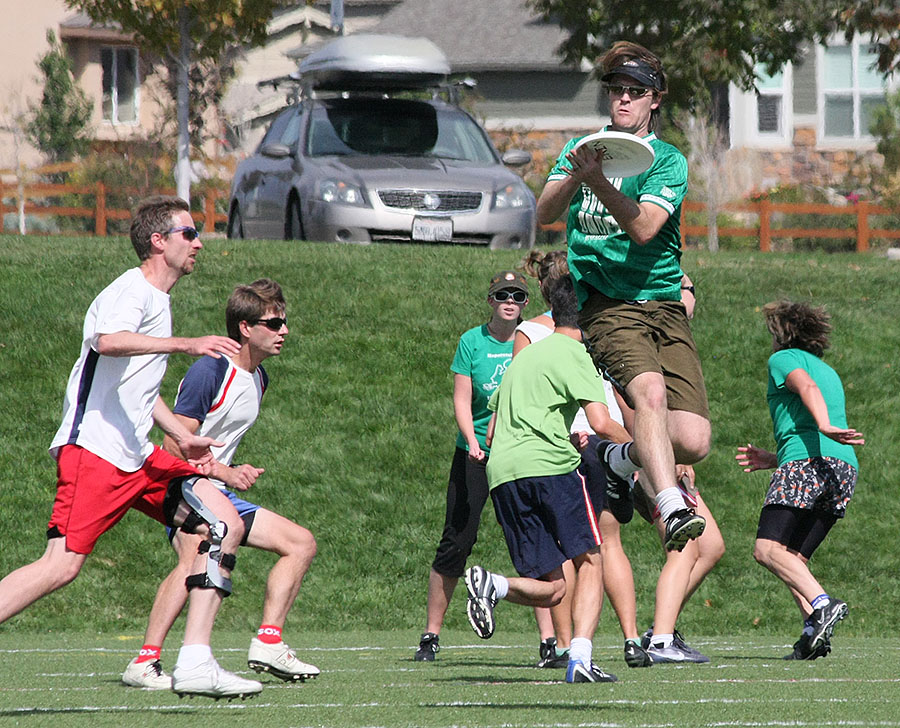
x=211, y=680
x=279, y=660
x=148, y=675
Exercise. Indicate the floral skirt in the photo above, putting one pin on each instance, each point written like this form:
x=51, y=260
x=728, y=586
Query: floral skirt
x=822, y=483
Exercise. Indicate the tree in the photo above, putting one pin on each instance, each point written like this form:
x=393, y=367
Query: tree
x=880, y=21
x=58, y=126
x=702, y=43
x=184, y=32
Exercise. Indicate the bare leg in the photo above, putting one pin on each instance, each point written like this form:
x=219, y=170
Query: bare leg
x=440, y=591
x=618, y=579
x=296, y=548
x=547, y=591
x=544, y=621
x=588, y=599
x=172, y=594
x=711, y=547
x=651, y=435
x=21, y=588
x=561, y=614
x=204, y=603
x=671, y=586
x=791, y=568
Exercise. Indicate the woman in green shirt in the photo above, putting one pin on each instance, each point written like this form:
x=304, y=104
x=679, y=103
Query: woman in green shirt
x=481, y=358
x=816, y=468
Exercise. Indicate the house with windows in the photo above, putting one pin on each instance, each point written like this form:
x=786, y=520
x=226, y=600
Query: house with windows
x=807, y=123
x=810, y=122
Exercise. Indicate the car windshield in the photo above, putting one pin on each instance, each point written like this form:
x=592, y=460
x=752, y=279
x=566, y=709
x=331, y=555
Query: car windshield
x=396, y=127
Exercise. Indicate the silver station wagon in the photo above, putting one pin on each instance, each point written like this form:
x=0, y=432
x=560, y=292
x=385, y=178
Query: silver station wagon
x=372, y=153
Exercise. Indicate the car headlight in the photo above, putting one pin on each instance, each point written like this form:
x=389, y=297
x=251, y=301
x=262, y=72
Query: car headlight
x=512, y=197
x=340, y=192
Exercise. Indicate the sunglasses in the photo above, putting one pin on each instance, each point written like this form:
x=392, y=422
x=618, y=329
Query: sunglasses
x=189, y=233
x=635, y=92
x=272, y=324
x=517, y=296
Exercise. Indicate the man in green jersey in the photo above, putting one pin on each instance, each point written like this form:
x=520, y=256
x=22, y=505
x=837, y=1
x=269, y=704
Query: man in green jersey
x=624, y=255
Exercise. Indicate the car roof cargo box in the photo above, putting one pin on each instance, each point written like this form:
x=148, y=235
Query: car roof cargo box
x=368, y=61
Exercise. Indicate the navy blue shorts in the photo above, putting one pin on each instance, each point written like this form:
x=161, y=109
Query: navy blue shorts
x=246, y=510
x=546, y=521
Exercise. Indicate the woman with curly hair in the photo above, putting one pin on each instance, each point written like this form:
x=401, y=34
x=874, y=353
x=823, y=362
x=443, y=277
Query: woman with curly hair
x=816, y=467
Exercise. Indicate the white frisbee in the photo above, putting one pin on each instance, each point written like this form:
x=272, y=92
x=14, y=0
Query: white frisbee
x=624, y=154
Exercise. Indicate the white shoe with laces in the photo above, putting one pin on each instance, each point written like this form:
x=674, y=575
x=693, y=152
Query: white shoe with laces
x=279, y=660
x=148, y=675
x=209, y=679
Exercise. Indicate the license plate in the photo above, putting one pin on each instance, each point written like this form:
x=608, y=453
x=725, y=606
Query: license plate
x=432, y=229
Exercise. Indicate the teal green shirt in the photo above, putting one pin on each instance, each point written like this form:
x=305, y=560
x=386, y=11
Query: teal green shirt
x=796, y=433
x=603, y=256
x=483, y=359
x=535, y=406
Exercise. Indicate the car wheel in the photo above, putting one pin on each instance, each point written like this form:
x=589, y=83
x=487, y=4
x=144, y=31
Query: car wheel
x=235, y=224
x=293, y=227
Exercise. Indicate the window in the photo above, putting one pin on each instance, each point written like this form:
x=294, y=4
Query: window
x=770, y=104
x=851, y=89
x=120, y=84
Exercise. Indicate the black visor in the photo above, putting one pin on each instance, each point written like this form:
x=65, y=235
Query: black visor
x=639, y=70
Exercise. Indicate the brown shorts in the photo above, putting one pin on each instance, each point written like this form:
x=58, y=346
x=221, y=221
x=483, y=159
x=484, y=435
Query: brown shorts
x=629, y=338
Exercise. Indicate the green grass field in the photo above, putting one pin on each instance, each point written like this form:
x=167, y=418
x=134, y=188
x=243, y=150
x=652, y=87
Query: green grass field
x=356, y=435
x=369, y=680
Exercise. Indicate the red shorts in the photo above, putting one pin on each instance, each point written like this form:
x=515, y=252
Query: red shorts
x=92, y=495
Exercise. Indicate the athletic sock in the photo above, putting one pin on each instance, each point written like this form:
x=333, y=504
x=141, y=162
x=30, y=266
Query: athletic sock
x=662, y=640
x=269, y=634
x=620, y=460
x=668, y=501
x=190, y=656
x=149, y=653
x=634, y=641
x=501, y=585
x=581, y=650
x=823, y=600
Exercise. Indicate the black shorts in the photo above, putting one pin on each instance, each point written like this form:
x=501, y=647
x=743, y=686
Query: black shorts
x=594, y=473
x=800, y=529
x=546, y=521
x=467, y=492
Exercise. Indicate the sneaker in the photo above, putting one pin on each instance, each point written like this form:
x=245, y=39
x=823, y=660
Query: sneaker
x=824, y=620
x=279, y=660
x=637, y=656
x=674, y=653
x=803, y=650
x=482, y=600
x=647, y=637
x=148, y=674
x=550, y=658
x=578, y=672
x=698, y=656
x=619, y=493
x=682, y=526
x=428, y=648
x=209, y=679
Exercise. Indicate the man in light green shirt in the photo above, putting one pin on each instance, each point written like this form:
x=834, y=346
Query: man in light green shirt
x=540, y=496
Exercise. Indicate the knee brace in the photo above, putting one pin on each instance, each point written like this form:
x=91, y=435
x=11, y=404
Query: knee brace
x=212, y=578
x=185, y=510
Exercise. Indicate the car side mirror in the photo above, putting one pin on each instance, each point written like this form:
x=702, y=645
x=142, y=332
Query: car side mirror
x=516, y=157
x=276, y=151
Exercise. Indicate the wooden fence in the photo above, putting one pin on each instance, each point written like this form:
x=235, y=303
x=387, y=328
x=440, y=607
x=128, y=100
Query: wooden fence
x=100, y=212
x=860, y=229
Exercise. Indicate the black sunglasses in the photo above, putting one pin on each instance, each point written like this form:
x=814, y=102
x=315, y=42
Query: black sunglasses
x=272, y=324
x=190, y=233
x=634, y=92
x=517, y=296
